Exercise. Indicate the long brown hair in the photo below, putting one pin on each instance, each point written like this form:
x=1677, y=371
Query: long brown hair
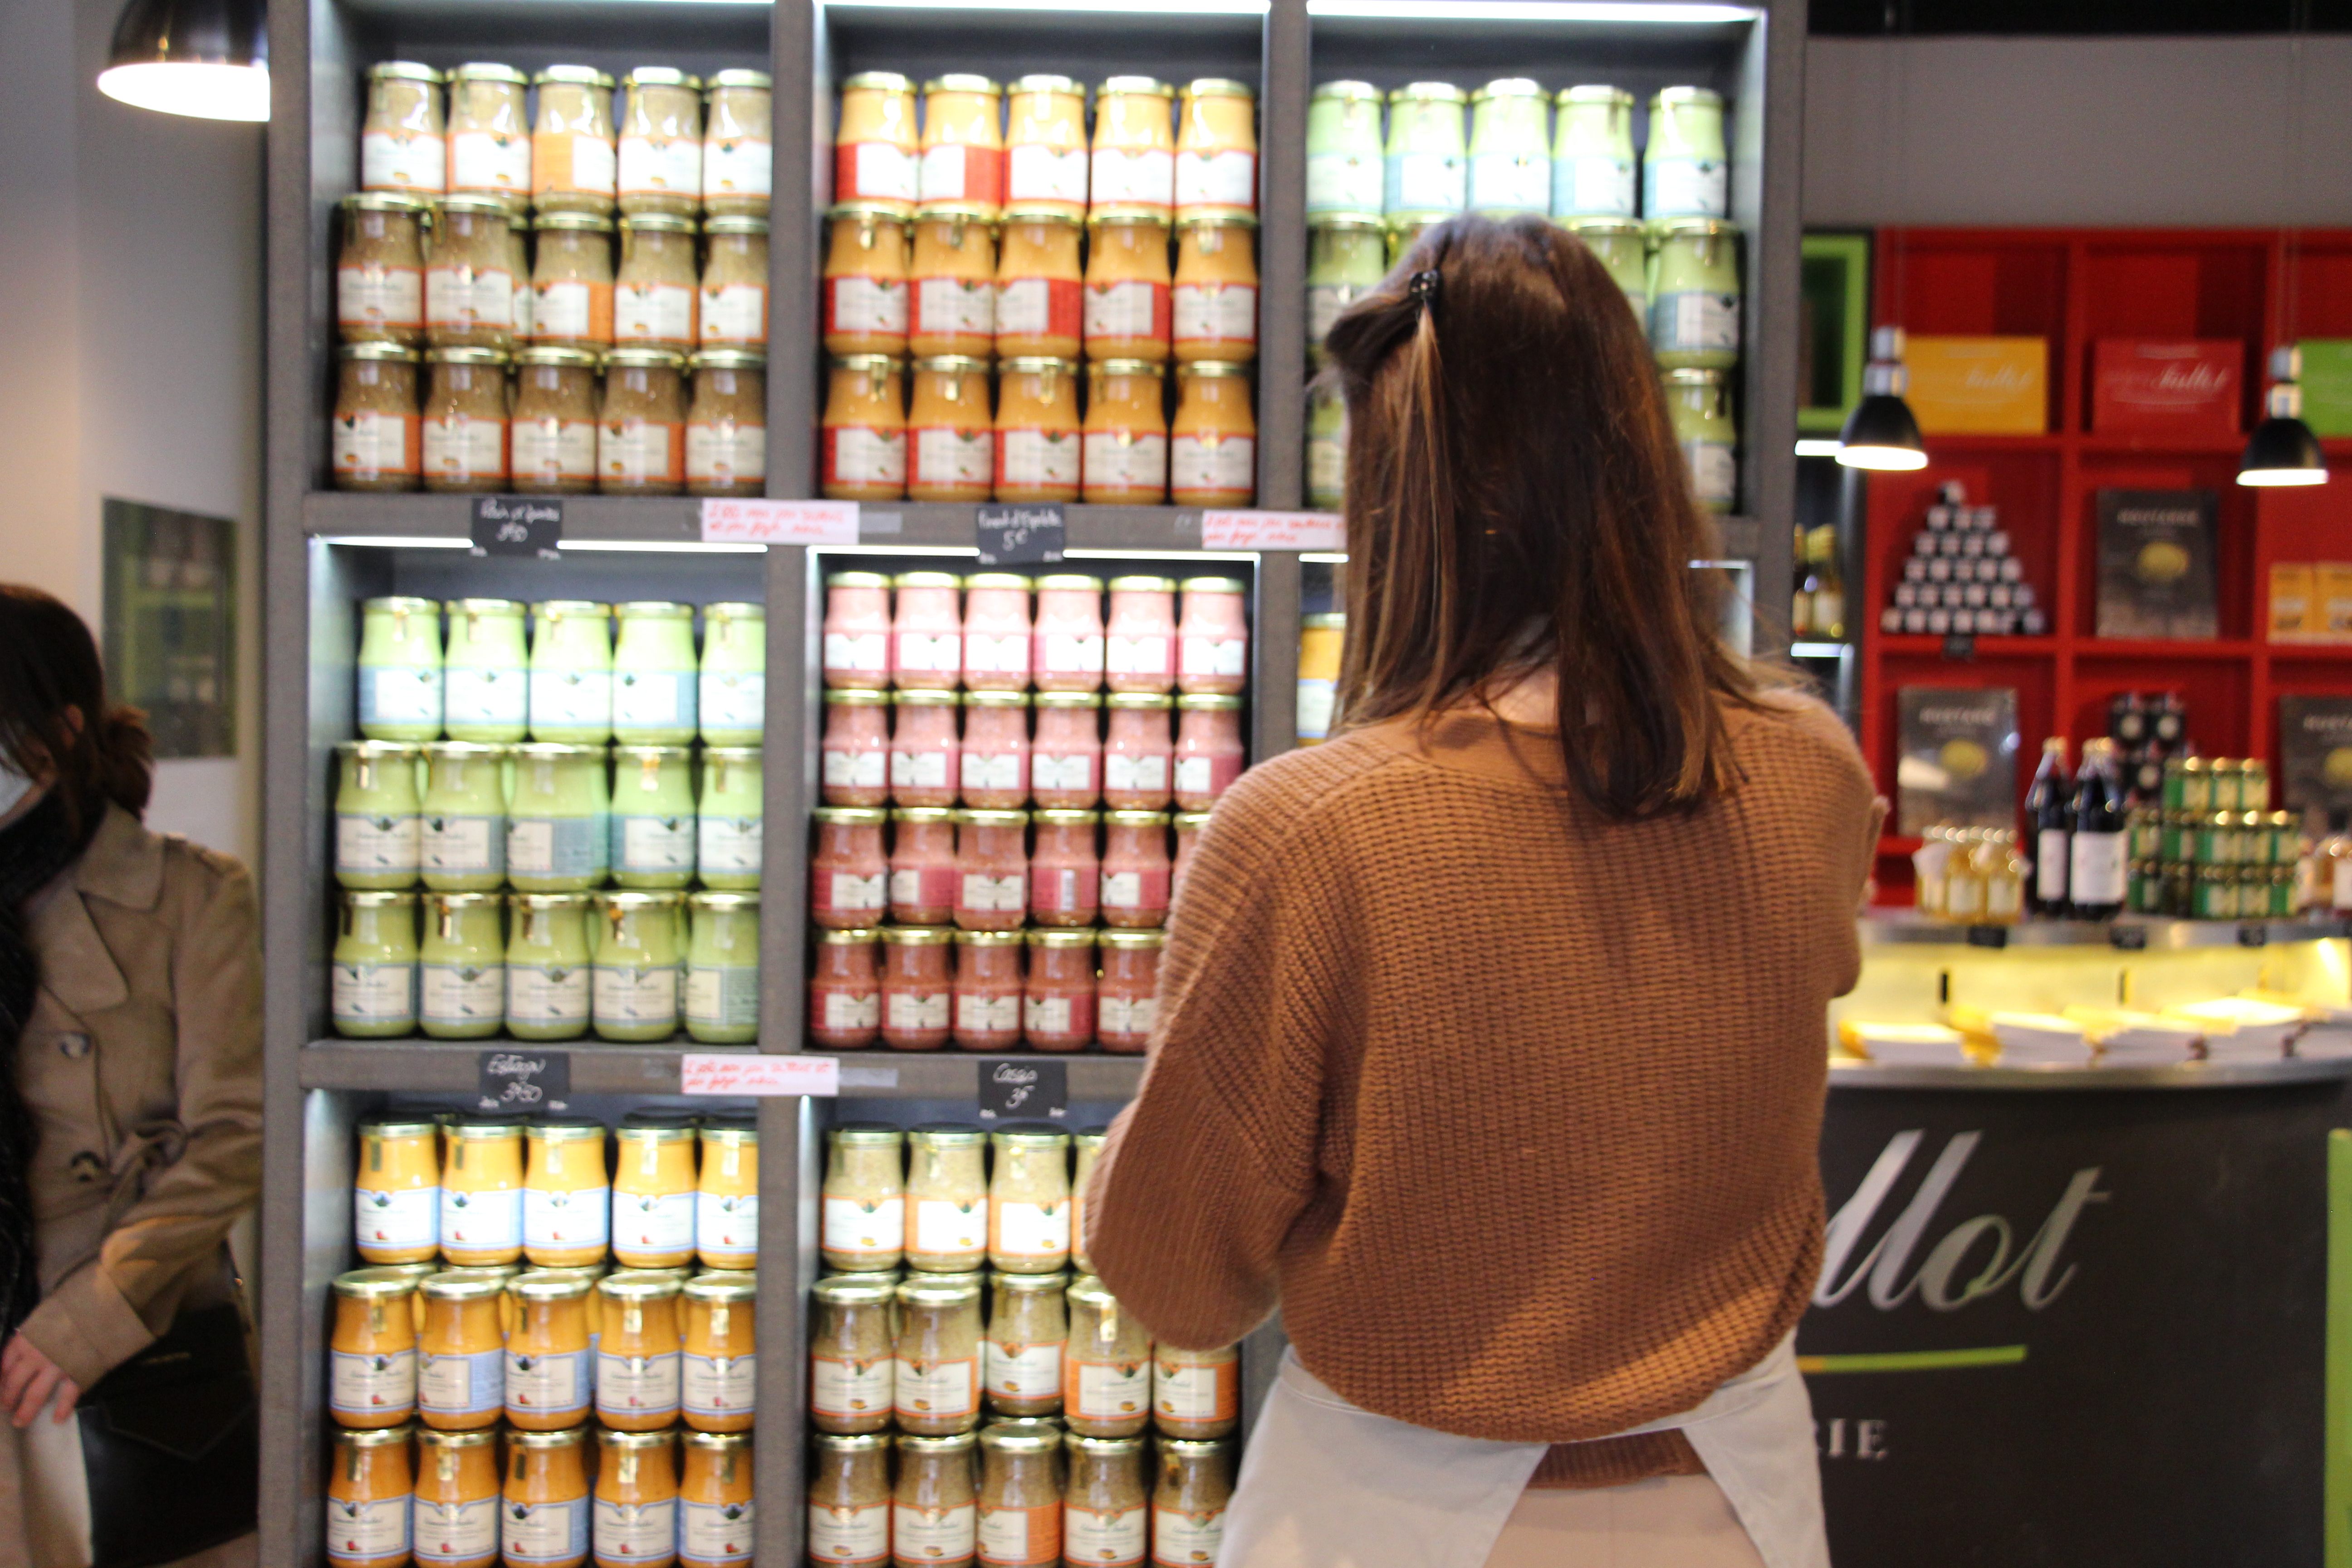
x=1516, y=501
x=49, y=669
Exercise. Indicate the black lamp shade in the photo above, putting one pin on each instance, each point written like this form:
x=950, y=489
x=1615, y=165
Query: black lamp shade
x=191, y=32
x=1880, y=434
x=2283, y=451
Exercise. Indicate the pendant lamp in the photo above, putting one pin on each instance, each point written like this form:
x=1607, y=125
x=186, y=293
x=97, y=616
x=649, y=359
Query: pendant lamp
x=2282, y=450
x=208, y=58
x=1880, y=434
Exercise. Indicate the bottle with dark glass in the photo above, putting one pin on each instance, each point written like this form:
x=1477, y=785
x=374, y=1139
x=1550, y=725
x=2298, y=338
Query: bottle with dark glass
x=2097, y=862
x=2049, y=819
x=2127, y=721
x=2168, y=721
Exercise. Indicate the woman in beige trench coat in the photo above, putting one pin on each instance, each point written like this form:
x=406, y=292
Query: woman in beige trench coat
x=131, y=996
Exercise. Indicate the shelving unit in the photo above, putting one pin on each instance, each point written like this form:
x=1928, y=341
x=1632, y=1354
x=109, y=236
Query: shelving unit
x=2071, y=288
x=325, y=550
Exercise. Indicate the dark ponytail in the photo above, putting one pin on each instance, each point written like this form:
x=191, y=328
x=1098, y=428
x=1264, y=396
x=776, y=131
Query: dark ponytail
x=55, y=723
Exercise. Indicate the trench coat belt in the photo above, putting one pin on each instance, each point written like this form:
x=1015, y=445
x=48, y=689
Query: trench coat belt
x=1325, y=1484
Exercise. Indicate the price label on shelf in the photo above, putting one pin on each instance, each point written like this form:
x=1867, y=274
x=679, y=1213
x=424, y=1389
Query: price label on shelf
x=1272, y=531
x=522, y=1082
x=516, y=525
x=1024, y=1089
x=733, y=521
x=750, y=1073
x=1020, y=536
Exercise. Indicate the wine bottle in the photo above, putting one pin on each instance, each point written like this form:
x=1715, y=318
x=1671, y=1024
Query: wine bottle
x=2096, y=867
x=2049, y=818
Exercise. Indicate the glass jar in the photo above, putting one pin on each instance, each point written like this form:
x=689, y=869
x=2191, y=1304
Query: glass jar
x=1020, y=1493
x=552, y=437
x=848, y=873
x=372, y=972
x=963, y=146
x=461, y=1374
x=737, y=162
x=1057, y=999
x=635, y=979
x=641, y=440
x=1685, y=172
x=947, y=1198
x=1213, y=305
x=1127, y=312
x=1046, y=146
x=1066, y=646
x=1188, y=826
x=1064, y=872
x=727, y=427
x=1344, y=158
x=485, y=694
x=925, y=634
x=937, y=1355
x=457, y=1513
x=1427, y=157
x=1138, y=756
x=1511, y=148
x=733, y=310
x=1066, y=758
x=661, y=142
x=1127, y=996
x=865, y=430
x=1319, y=640
x=1212, y=637
x=722, y=968
x=470, y=282
x=558, y=831
x=1695, y=294
x=549, y=1377
x=856, y=747
x=371, y=1350
x=377, y=833
x=1135, y=869
x=1209, y=755
x=489, y=133
x=375, y=438
x=548, y=966
x=733, y=685
x=573, y=158
x=636, y=1501
x=866, y=284
x=1592, y=153
x=518, y=264
x=654, y=293
x=992, y=869
x=465, y=429
x=728, y=841
x=864, y=1219
x=922, y=866
x=1188, y=1506
x=404, y=145
x=987, y=990
x=639, y=1351
x=1213, y=446
x=481, y=1192
x=1106, y=1506
x=1700, y=405
x=1134, y=166
x=851, y=1353
x=567, y=1195
x=380, y=269
x=1107, y=1366
x=570, y=672
x=858, y=630
x=1029, y=1201
x=1347, y=257
x=915, y=988
x=1125, y=434
x=923, y=748
x=726, y=1195
x=716, y=1524
x=396, y=1193
x=952, y=432
x=876, y=151
x=934, y=1512
x=1086, y=1149
x=547, y=1507
x=993, y=762
x=952, y=283
x=996, y=629
x=572, y=283
x=845, y=990
x=1039, y=284
x=1216, y=148
x=1195, y=1395
x=719, y=1377
x=652, y=1192
x=849, y=1500
x=461, y=976
x=1037, y=446
x=1624, y=248
x=1139, y=640
x=1027, y=1325
x=368, y=1495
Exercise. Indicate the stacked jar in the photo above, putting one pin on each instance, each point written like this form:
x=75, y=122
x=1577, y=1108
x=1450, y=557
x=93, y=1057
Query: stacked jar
x=646, y=378
x=501, y=785
x=1095, y=716
x=489, y=1354
x=996, y=246
x=1021, y=1402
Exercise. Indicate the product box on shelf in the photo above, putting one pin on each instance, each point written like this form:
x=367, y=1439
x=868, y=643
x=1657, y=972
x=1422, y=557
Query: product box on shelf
x=2156, y=564
x=1959, y=762
x=2327, y=385
x=2316, y=753
x=2295, y=601
x=2166, y=387
x=1985, y=387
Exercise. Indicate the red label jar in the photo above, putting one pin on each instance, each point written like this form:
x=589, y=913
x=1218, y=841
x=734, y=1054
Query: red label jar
x=1066, y=758
x=846, y=989
x=926, y=634
x=856, y=748
x=1139, y=640
x=1208, y=748
x=923, y=866
x=1136, y=759
x=988, y=990
x=858, y=630
x=994, y=766
x=996, y=632
x=848, y=873
x=1212, y=637
x=915, y=987
x=1135, y=871
x=923, y=748
x=1063, y=869
x=1057, y=1002
x=1067, y=649
x=992, y=869
x=1126, y=997
x=1188, y=826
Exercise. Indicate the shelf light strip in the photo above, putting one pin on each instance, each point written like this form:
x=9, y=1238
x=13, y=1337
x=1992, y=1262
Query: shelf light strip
x=1173, y=552
x=662, y=546
x=1820, y=446
x=1125, y=7
x=397, y=541
x=1820, y=649
x=1666, y=12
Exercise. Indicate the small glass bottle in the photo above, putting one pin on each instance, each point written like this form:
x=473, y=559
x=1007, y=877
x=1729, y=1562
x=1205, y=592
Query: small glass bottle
x=1107, y=1367
x=1138, y=756
x=1126, y=1000
x=1029, y=1201
x=947, y=1198
x=934, y=1515
x=992, y=869
x=915, y=987
x=987, y=990
x=865, y=1221
x=924, y=748
x=845, y=990
x=1064, y=872
x=1028, y=1322
x=1066, y=756
x=1057, y=1001
x=938, y=1354
x=851, y=1352
x=922, y=866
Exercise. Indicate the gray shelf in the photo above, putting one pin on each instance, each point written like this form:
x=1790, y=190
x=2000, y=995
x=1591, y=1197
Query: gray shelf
x=2127, y=935
x=345, y=514
x=447, y=1066
x=883, y=1074
x=1845, y=1075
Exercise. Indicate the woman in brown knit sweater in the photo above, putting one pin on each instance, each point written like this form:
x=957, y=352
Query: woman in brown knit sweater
x=1491, y=1041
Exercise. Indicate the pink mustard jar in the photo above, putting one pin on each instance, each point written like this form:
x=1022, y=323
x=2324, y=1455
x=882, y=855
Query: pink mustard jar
x=996, y=758
x=856, y=747
x=1067, y=644
x=1137, y=757
x=858, y=630
x=1212, y=637
x=996, y=631
x=1139, y=637
x=926, y=633
x=923, y=748
x=1065, y=757
x=922, y=866
x=1207, y=748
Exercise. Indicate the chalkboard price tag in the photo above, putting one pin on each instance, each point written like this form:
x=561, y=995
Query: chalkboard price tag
x=523, y=1083
x=2253, y=933
x=1960, y=646
x=518, y=525
x=1020, y=536
x=2128, y=938
x=1988, y=936
x=1026, y=1090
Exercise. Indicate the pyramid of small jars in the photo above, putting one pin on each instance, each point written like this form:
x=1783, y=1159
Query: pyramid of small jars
x=982, y=842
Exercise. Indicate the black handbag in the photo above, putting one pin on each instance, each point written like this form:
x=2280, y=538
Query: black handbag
x=171, y=1445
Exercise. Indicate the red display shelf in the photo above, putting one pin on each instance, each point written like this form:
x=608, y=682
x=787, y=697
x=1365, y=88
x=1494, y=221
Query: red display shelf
x=2072, y=287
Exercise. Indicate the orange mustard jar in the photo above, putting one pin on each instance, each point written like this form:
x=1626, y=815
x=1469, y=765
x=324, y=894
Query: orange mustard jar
x=951, y=282
x=719, y=1381
x=461, y=1360
x=1213, y=446
x=1216, y=148
x=368, y=1495
x=456, y=1521
x=1134, y=168
x=1126, y=305
x=547, y=1507
x=963, y=147
x=715, y=1521
x=951, y=432
x=1213, y=307
x=865, y=430
x=635, y=1503
x=1045, y=145
x=865, y=280
x=371, y=1355
x=1125, y=434
x=1040, y=284
x=1037, y=446
x=875, y=148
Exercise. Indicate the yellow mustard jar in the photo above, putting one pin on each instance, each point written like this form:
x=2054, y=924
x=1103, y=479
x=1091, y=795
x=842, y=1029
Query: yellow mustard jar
x=654, y=1192
x=719, y=1377
x=727, y=1213
x=567, y=1201
x=396, y=1196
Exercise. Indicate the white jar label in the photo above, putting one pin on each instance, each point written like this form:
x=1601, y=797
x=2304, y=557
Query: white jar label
x=1104, y=1538
x=1128, y=309
x=1071, y=772
x=462, y=993
x=735, y=313
x=655, y=165
x=563, y=308
x=1318, y=701
x=488, y=161
x=1186, y=1539
x=1068, y=654
x=1038, y=457
x=733, y=700
x=1108, y=1391
x=1123, y=771
x=636, y=1384
x=1121, y=460
x=1511, y=182
x=399, y=1219
x=551, y=451
x=945, y=1227
x=478, y=696
x=2095, y=868
x=546, y=1531
x=935, y=653
x=655, y=699
x=987, y=1014
x=1025, y=1372
x=1695, y=323
x=1034, y=173
x=858, y=1229
x=1025, y=307
x=730, y=844
x=920, y=770
x=640, y=450
x=572, y=698
x=1124, y=889
x=987, y=655
x=853, y=892
x=955, y=306
x=466, y=1384
x=857, y=770
x=1136, y=656
x=839, y=1387
x=372, y=1384
x=1226, y=179
x=999, y=771
x=1138, y=178
x=868, y=304
x=843, y=1012
x=653, y=1222
x=1426, y=182
x=1212, y=655
x=489, y=1221
x=1592, y=187
x=359, y=1532
x=934, y=1534
x=625, y=994
x=370, y=845
x=726, y=1225
x=849, y=1537
x=653, y=844
x=1228, y=464
x=556, y=1219
x=404, y=160
x=934, y=1389
x=572, y=163
x=718, y=1385
x=867, y=651
x=722, y=998
x=457, y=1532
x=399, y=694
x=1047, y=1015
x=738, y=166
x=546, y=996
x=963, y=458
x=373, y=992
x=556, y=847
x=1194, y=776
x=885, y=171
x=1714, y=470
x=939, y=176
x=548, y=1384
x=630, y=1532
x=1685, y=187
x=367, y=446
x=468, y=296
x=1121, y=1016
x=379, y=296
x=653, y=312
x=1343, y=182
x=1215, y=313
x=982, y=893
x=465, y=449
x=1192, y=1390
x=1031, y=1230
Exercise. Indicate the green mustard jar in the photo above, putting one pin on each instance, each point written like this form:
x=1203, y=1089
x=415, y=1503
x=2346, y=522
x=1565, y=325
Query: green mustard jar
x=462, y=833
x=1624, y=248
x=1347, y=256
x=722, y=968
x=1428, y=157
x=1699, y=402
x=376, y=830
x=1327, y=448
x=1684, y=172
x=653, y=816
x=729, y=847
x=633, y=983
x=557, y=832
x=1345, y=170
x=734, y=691
x=547, y=966
x=371, y=973
x=571, y=671
x=461, y=972
x=400, y=669
x=486, y=681
x=1511, y=148
x=655, y=679
x=1592, y=153
x=1695, y=294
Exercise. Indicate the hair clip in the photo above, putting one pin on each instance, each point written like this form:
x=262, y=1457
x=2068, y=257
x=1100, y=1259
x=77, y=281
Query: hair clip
x=1423, y=287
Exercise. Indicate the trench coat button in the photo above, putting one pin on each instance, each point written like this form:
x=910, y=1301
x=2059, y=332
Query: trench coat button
x=88, y=1167
x=74, y=1046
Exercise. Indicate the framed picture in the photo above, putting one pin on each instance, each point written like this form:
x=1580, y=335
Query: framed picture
x=171, y=625
x=1833, y=331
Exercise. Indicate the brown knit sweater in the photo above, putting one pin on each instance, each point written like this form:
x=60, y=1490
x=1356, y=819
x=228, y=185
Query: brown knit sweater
x=1512, y=1109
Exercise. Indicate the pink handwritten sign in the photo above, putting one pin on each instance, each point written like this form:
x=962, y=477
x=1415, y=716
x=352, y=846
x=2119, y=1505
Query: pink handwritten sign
x=732, y=521
x=752, y=1074
x=1272, y=531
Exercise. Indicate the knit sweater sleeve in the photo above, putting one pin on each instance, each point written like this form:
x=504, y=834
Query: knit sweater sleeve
x=1204, y=1174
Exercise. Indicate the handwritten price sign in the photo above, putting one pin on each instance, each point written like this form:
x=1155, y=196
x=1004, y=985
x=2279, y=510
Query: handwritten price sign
x=1272, y=531
x=750, y=1074
x=736, y=522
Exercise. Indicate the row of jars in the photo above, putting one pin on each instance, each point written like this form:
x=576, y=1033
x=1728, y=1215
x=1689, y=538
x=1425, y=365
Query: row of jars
x=590, y=672
x=943, y=284
x=948, y=1198
x=1156, y=150
x=1007, y=633
x=567, y=422
x=678, y=145
x=455, y=274
x=1512, y=159
x=545, y=818
x=892, y=984
x=635, y=969
x=994, y=763
x=657, y=1192
x=401, y=1494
